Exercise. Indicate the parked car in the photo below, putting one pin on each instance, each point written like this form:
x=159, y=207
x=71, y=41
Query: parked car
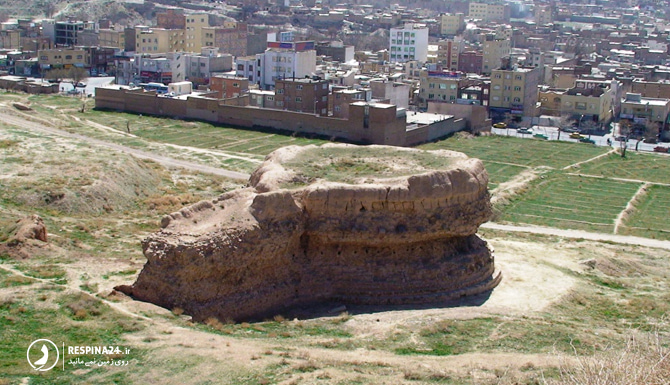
x=500, y=125
x=576, y=135
x=587, y=140
x=661, y=149
x=525, y=130
x=620, y=138
x=541, y=136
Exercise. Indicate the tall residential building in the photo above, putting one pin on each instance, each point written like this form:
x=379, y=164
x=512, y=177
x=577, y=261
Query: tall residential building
x=494, y=50
x=195, y=23
x=448, y=52
x=230, y=39
x=544, y=14
x=470, y=62
x=452, y=24
x=490, y=12
x=514, y=91
x=409, y=43
x=279, y=61
x=158, y=40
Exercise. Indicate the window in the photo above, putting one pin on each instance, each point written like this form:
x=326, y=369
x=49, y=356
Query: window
x=43, y=58
x=507, y=98
x=240, y=67
x=517, y=100
x=580, y=106
x=324, y=98
x=443, y=86
x=496, y=87
x=280, y=91
x=298, y=99
x=280, y=103
x=236, y=85
x=298, y=87
x=496, y=98
x=517, y=88
x=271, y=98
x=517, y=77
x=337, y=108
x=507, y=88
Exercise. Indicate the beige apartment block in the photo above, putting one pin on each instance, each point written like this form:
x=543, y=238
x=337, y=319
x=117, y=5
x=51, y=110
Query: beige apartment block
x=112, y=38
x=452, y=24
x=158, y=40
x=494, y=50
x=515, y=89
x=195, y=23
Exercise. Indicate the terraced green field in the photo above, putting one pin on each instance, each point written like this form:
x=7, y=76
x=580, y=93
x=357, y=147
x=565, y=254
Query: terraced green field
x=651, y=215
x=571, y=202
x=649, y=167
x=518, y=151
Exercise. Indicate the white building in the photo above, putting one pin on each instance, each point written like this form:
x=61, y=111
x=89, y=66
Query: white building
x=409, y=43
x=285, y=60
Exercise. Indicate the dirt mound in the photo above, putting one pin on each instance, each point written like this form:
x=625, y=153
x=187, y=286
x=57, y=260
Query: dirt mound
x=392, y=240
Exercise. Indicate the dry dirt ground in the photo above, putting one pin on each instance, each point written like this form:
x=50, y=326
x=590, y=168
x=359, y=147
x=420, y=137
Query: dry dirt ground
x=554, y=288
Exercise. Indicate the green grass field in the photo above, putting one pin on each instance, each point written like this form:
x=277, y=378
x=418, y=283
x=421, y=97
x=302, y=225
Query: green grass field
x=523, y=152
x=641, y=166
x=651, y=215
x=572, y=202
x=501, y=172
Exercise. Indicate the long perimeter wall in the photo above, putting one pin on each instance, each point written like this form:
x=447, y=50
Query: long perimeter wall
x=374, y=124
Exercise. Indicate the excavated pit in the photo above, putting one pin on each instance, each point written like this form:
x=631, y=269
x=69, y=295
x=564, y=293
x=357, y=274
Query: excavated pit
x=371, y=225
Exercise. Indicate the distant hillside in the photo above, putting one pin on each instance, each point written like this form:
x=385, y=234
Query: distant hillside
x=117, y=11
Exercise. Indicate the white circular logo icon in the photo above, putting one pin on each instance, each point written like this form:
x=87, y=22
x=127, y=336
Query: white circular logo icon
x=43, y=348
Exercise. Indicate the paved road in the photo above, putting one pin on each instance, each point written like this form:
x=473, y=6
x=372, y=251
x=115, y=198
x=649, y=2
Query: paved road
x=579, y=234
x=164, y=160
x=553, y=134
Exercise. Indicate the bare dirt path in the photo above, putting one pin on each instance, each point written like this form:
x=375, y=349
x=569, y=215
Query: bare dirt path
x=579, y=234
x=589, y=160
x=619, y=179
x=164, y=160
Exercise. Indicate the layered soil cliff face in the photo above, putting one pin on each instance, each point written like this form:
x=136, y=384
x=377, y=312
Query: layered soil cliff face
x=397, y=233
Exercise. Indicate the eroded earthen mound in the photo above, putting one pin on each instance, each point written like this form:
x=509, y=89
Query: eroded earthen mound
x=360, y=225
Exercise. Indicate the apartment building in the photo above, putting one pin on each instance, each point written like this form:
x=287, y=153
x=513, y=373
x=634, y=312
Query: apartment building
x=158, y=40
x=409, y=42
x=194, y=26
x=439, y=86
x=393, y=92
x=452, y=24
x=514, y=91
x=590, y=100
x=448, y=52
x=470, y=62
x=230, y=39
x=112, y=38
x=643, y=110
x=65, y=33
x=198, y=68
x=302, y=95
x=63, y=58
x=285, y=61
x=494, y=49
x=489, y=12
